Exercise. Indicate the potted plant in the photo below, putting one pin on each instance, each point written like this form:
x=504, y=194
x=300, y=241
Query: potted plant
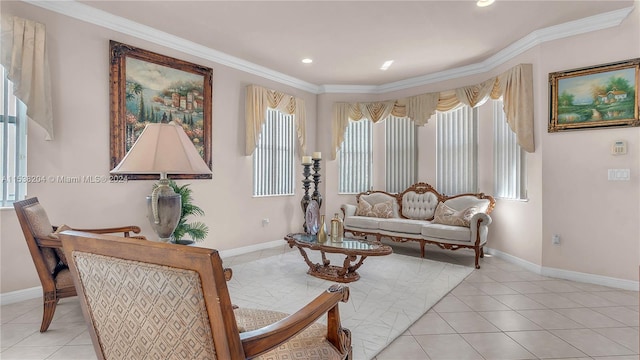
x=196, y=230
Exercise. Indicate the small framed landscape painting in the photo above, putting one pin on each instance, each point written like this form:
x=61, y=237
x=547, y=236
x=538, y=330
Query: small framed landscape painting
x=146, y=87
x=595, y=97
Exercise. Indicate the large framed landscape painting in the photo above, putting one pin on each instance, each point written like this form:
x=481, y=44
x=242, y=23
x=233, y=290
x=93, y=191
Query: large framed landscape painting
x=147, y=87
x=600, y=96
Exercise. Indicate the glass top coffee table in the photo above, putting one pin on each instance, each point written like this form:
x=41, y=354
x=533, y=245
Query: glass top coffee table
x=352, y=248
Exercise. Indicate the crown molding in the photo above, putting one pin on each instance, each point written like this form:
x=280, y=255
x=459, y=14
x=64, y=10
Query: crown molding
x=104, y=19
x=537, y=37
x=116, y=23
x=348, y=89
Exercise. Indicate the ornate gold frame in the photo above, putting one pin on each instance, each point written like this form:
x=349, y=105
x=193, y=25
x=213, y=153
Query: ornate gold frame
x=571, y=107
x=118, y=92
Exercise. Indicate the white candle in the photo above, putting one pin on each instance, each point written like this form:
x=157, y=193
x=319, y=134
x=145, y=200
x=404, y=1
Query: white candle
x=306, y=160
x=317, y=155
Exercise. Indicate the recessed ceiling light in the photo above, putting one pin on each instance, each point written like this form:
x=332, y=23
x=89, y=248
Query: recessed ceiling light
x=307, y=61
x=386, y=65
x=483, y=3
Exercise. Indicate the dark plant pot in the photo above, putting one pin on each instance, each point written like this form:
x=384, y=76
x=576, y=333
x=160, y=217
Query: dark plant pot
x=183, y=242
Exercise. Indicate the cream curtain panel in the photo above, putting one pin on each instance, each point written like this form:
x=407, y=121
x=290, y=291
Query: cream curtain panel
x=514, y=85
x=24, y=57
x=258, y=99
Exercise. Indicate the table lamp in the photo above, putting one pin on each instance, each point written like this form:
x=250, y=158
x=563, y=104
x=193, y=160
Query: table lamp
x=163, y=149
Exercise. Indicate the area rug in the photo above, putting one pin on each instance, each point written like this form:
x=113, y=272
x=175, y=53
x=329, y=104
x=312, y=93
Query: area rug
x=393, y=292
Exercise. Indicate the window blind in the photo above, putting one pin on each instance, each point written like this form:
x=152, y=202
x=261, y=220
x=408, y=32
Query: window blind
x=355, y=158
x=457, y=151
x=401, y=153
x=508, y=158
x=273, y=159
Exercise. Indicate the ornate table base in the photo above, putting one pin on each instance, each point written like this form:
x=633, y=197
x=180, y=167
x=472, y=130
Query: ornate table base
x=351, y=248
x=345, y=274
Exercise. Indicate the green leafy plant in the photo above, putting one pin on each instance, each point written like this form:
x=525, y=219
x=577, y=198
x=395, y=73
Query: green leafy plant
x=196, y=230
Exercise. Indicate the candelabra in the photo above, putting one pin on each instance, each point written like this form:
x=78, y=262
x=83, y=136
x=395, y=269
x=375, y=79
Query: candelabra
x=306, y=199
x=316, y=179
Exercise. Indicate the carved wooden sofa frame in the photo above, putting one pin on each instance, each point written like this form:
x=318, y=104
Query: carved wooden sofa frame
x=479, y=221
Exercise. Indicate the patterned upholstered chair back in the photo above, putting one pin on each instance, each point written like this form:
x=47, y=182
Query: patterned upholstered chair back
x=168, y=300
x=151, y=300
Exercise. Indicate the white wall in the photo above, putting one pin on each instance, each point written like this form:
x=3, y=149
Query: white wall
x=568, y=191
x=595, y=218
x=79, y=61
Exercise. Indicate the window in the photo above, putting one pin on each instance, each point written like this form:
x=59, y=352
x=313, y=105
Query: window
x=13, y=149
x=508, y=158
x=273, y=159
x=457, y=151
x=356, y=158
x=401, y=150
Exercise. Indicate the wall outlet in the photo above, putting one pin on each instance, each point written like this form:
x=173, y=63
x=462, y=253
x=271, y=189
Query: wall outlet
x=265, y=222
x=555, y=239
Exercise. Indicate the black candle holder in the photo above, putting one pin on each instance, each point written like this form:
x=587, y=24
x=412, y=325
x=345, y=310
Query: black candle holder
x=316, y=182
x=306, y=199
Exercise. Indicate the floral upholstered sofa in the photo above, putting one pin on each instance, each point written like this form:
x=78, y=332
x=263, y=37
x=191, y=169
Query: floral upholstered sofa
x=421, y=214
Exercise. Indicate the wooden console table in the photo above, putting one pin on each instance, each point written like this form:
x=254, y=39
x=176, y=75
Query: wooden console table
x=350, y=247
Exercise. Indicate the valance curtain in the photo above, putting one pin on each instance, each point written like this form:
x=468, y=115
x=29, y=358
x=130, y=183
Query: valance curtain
x=515, y=86
x=24, y=57
x=258, y=99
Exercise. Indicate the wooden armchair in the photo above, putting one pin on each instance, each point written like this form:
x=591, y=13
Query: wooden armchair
x=164, y=301
x=46, y=251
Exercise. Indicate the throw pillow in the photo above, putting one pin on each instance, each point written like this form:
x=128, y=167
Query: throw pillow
x=383, y=209
x=364, y=208
x=448, y=216
x=39, y=220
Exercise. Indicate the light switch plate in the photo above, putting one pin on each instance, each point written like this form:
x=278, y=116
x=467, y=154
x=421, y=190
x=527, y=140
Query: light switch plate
x=619, y=174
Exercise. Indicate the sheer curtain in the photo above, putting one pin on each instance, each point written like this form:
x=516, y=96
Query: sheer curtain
x=24, y=56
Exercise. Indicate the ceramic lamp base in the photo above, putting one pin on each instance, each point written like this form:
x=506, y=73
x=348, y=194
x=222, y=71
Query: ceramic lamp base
x=169, y=211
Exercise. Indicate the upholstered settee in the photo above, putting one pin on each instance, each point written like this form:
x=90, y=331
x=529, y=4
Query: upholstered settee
x=423, y=215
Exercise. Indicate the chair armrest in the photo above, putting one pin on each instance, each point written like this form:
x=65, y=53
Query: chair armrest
x=348, y=210
x=262, y=340
x=479, y=226
x=486, y=219
x=123, y=229
x=48, y=242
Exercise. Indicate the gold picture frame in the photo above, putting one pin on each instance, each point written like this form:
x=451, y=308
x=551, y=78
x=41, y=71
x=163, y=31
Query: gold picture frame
x=148, y=87
x=595, y=97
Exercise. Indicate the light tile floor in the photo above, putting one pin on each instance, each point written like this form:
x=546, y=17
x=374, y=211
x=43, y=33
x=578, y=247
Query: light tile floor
x=500, y=311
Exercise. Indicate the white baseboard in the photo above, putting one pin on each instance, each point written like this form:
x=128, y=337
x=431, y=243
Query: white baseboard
x=535, y=268
x=20, y=295
x=591, y=278
x=35, y=292
x=251, y=248
x=567, y=274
